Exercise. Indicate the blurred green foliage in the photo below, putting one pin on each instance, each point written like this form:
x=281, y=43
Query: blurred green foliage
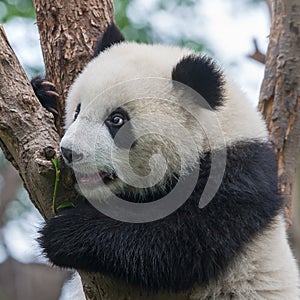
x=141, y=32
x=15, y=8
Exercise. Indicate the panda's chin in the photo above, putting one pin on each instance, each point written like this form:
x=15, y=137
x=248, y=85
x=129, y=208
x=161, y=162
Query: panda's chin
x=95, y=184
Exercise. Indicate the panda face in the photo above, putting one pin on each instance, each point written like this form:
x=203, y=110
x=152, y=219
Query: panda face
x=134, y=130
x=129, y=147
x=121, y=135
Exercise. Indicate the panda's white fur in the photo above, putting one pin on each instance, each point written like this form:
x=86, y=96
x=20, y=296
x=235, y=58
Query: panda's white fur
x=265, y=267
x=114, y=67
x=133, y=61
x=266, y=270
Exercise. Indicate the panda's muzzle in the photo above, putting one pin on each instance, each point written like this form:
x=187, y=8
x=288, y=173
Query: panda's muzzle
x=96, y=178
x=101, y=177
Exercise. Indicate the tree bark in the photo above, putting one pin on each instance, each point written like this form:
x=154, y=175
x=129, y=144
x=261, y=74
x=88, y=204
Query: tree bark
x=27, y=133
x=280, y=92
x=68, y=33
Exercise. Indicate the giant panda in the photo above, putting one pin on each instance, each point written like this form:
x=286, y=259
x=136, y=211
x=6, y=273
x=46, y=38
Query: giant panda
x=140, y=109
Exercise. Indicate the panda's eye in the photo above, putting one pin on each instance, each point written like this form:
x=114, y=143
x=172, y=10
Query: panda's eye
x=114, y=122
x=77, y=111
x=116, y=119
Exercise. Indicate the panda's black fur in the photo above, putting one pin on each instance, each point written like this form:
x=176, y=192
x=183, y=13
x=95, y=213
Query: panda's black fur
x=193, y=69
x=192, y=246
x=111, y=36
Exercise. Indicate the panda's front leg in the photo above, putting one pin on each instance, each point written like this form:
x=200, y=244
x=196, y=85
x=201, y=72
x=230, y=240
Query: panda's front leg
x=47, y=94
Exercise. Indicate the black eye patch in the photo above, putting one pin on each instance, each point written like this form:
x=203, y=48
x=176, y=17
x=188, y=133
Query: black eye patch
x=77, y=111
x=116, y=120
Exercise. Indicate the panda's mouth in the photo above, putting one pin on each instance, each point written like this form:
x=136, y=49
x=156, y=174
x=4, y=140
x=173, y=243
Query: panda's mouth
x=99, y=178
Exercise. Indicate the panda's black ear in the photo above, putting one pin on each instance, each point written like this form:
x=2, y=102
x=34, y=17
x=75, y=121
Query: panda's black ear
x=112, y=35
x=202, y=75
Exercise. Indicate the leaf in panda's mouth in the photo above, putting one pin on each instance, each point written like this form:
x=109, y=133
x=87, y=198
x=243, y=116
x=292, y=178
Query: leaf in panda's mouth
x=96, y=178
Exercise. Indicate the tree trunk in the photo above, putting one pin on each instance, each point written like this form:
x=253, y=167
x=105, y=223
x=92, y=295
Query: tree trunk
x=280, y=92
x=27, y=133
x=68, y=32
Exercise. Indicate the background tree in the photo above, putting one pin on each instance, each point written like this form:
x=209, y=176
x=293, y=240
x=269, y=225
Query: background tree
x=68, y=33
x=280, y=93
x=280, y=104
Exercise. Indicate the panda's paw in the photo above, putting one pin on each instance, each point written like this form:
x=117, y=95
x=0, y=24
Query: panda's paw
x=46, y=93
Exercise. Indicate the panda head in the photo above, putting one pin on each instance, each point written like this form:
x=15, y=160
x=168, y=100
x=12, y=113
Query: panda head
x=137, y=118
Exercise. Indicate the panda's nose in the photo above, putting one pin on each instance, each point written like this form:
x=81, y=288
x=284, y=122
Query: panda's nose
x=70, y=155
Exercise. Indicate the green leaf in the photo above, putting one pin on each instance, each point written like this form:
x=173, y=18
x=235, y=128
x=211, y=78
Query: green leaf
x=65, y=205
x=55, y=163
x=57, y=173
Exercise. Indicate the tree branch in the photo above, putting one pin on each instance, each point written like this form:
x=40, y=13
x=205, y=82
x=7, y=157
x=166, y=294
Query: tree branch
x=257, y=54
x=26, y=129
